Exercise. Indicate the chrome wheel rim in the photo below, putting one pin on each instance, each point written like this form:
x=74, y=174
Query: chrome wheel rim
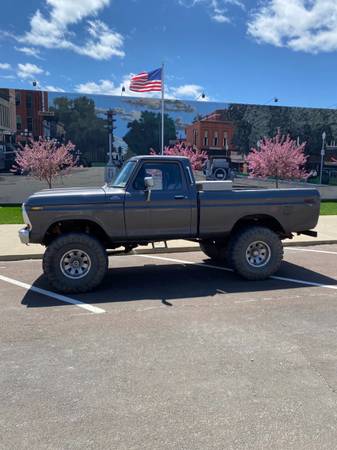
x=258, y=254
x=75, y=264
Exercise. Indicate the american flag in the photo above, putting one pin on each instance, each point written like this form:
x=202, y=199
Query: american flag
x=147, y=81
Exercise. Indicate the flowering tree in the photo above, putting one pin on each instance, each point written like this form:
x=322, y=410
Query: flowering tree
x=45, y=159
x=279, y=157
x=197, y=157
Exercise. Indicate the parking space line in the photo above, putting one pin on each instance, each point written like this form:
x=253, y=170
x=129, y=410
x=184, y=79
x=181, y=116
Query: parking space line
x=310, y=250
x=61, y=298
x=274, y=277
x=180, y=261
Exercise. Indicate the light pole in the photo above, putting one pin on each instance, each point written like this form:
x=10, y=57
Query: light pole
x=322, y=156
x=110, y=169
x=26, y=134
x=272, y=100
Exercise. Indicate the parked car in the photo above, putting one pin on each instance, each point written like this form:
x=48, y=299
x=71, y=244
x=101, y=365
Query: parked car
x=218, y=168
x=156, y=198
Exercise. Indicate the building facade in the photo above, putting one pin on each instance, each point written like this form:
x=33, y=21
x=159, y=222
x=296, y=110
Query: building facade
x=7, y=126
x=212, y=133
x=31, y=112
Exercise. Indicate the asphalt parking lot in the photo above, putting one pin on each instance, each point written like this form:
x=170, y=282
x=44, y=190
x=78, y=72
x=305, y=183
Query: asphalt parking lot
x=171, y=353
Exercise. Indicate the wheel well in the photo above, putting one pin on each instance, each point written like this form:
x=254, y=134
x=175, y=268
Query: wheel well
x=261, y=220
x=75, y=226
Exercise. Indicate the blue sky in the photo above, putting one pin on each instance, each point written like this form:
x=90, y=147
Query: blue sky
x=233, y=50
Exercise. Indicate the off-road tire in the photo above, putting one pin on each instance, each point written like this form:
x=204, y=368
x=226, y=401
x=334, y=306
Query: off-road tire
x=215, y=250
x=67, y=242
x=239, y=244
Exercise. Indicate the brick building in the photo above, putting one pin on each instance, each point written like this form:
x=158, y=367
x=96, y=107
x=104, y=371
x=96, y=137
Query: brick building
x=30, y=117
x=7, y=111
x=212, y=133
x=7, y=127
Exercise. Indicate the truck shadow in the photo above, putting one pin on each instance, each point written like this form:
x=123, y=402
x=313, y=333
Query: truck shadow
x=166, y=282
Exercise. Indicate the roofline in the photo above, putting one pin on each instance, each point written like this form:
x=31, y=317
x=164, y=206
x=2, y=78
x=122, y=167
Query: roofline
x=160, y=157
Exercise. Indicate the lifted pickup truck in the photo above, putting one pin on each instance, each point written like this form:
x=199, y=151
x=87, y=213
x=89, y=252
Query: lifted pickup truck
x=156, y=198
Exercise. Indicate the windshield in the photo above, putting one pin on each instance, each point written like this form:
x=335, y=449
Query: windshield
x=123, y=177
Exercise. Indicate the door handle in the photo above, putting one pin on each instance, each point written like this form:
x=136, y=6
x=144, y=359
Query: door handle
x=180, y=197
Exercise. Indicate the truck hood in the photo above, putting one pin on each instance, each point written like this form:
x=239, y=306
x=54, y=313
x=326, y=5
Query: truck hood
x=74, y=196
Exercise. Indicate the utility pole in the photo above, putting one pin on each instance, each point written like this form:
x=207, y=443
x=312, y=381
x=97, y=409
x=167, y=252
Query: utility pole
x=322, y=157
x=110, y=169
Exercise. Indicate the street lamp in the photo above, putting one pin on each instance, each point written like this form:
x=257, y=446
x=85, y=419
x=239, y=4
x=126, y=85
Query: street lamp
x=322, y=156
x=110, y=169
x=272, y=100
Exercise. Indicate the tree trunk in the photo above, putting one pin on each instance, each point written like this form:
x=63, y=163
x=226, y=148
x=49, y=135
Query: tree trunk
x=276, y=181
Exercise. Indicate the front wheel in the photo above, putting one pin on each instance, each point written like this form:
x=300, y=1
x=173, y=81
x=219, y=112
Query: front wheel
x=75, y=262
x=256, y=253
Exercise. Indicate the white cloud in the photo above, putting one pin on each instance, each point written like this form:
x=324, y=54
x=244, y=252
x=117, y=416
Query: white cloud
x=53, y=89
x=191, y=91
x=218, y=9
x=108, y=87
x=5, y=66
x=29, y=51
x=53, y=30
x=103, y=43
x=221, y=18
x=301, y=25
x=29, y=70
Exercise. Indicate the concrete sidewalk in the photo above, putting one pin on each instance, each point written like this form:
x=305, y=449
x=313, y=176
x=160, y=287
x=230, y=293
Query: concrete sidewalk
x=12, y=249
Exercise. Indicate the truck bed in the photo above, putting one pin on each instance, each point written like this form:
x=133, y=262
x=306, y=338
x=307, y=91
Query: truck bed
x=296, y=210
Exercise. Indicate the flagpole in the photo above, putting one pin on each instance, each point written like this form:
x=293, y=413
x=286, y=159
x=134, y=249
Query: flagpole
x=162, y=109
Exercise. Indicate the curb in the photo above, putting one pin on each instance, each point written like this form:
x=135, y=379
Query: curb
x=153, y=251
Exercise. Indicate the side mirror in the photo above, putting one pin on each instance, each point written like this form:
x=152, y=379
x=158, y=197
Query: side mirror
x=149, y=184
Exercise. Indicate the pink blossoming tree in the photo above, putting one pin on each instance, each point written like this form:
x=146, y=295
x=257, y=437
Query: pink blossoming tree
x=45, y=159
x=279, y=157
x=197, y=157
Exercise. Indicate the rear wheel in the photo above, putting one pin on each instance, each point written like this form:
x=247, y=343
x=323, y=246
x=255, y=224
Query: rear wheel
x=255, y=253
x=75, y=262
x=215, y=250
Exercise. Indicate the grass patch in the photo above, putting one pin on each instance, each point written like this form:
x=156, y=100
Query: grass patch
x=11, y=214
x=328, y=208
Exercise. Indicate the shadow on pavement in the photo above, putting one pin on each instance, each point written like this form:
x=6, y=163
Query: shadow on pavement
x=165, y=282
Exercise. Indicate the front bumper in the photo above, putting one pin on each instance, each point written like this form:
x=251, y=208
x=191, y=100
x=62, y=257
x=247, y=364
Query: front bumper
x=24, y=235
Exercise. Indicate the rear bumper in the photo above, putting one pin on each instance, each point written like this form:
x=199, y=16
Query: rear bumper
x=24, y=235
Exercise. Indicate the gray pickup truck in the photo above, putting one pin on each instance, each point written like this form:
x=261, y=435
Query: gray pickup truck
x=156, y=198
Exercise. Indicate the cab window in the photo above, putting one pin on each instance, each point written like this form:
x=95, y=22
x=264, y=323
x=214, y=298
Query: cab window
x=166, y=177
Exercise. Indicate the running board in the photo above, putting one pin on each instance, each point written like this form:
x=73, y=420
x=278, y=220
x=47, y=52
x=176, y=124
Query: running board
x=309, y=233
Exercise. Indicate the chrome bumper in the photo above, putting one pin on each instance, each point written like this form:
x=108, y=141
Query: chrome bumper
x=24, y=235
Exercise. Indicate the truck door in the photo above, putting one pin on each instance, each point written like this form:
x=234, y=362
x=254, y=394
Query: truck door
x=169, y=211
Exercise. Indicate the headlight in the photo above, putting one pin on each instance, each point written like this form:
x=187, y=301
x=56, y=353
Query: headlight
x=25, y=216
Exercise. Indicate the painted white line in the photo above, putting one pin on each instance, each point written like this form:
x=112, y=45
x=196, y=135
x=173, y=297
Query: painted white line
x=209, y=266
x=180, y=261
x=309, y=250
x=308, y=283
x=61, y=298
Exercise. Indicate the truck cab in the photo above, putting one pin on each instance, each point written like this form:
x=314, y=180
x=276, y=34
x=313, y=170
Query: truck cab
x=160, y=197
